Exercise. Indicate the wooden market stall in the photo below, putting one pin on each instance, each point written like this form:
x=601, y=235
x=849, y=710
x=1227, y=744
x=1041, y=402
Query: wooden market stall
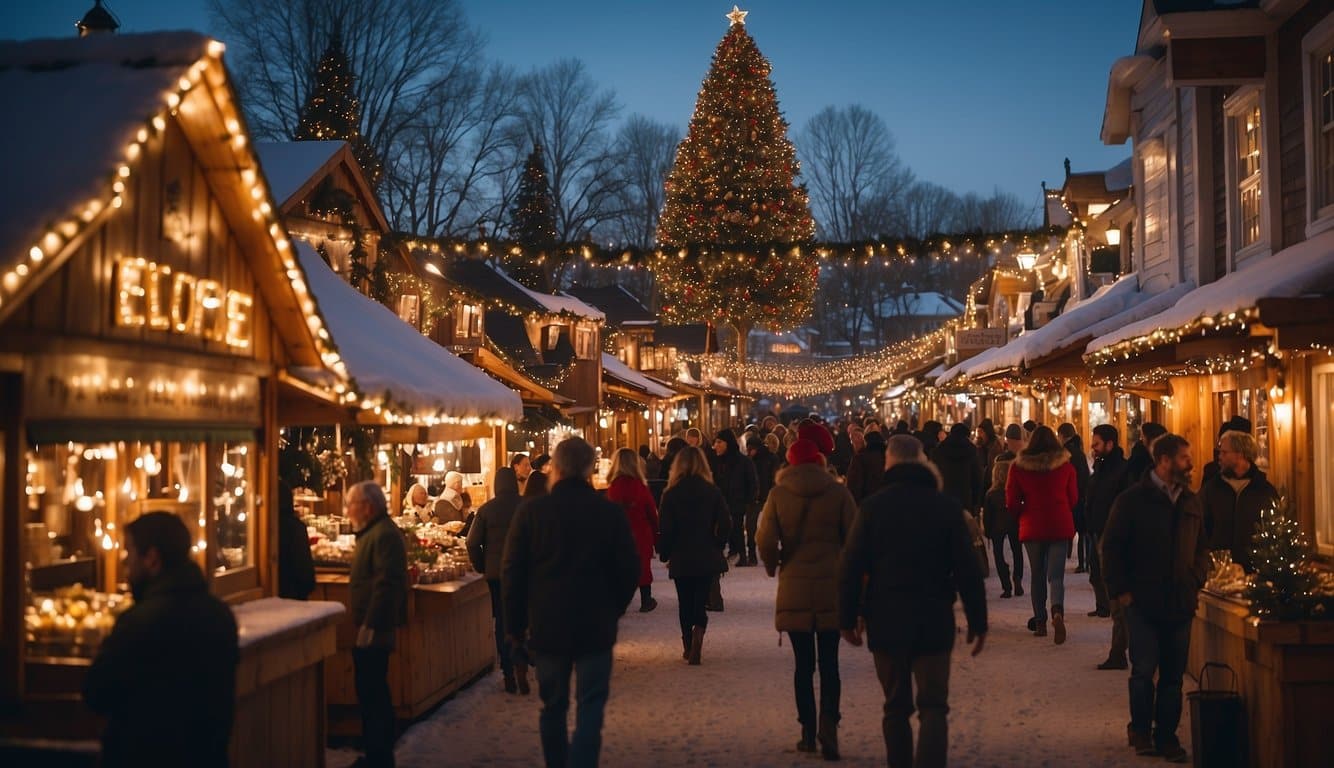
x=149, y=306
x=433, y=412
x=1255, y=344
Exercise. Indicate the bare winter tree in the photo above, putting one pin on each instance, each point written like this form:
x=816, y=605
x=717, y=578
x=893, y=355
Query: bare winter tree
x=644, y=151
x=456, y=163
x=565, y=111
x=398, y=53
x=856, y=178
x=926, y=209
x=1001, y=212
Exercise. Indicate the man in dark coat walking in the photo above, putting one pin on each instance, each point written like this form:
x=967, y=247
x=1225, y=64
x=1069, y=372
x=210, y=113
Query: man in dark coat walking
x=165, y=678
x=766, y=468
x=486, y=549
x=570, y=569
x=1235, y=497
x=907, y=556
x=866, y=473
x=960, y=468
x=734, y=474
x=1141, y=461
x=1155, y=561
x=1105, y=484
x=378, y=597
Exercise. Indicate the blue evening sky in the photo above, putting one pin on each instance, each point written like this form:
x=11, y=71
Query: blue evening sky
x=979, y=93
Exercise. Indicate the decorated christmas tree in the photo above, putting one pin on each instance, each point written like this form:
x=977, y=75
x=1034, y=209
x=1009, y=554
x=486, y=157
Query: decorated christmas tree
x=533, y=225
x=1284, y=585
x=734, y=214
x=332, y=110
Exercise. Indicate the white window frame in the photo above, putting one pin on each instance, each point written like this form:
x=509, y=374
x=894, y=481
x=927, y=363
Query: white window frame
x=1315, y=44
x=585, y=342
x=409, y=309
x=468, y=321
x=1322, y=428
x=1239, y=104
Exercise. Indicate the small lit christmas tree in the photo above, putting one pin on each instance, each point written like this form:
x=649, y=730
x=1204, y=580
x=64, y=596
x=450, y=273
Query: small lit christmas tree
x=1283, y=586
x=733, y=200
x=533, y=225
x=332, y=110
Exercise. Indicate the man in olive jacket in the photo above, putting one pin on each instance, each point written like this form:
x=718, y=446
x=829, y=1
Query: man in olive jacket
x=909, y=553
x=378, y=594
x=165, y=678
x=1155, y=560
x=570, y=569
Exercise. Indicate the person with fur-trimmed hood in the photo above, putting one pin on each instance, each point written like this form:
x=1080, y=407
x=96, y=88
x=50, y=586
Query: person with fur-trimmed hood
x=1042, y=492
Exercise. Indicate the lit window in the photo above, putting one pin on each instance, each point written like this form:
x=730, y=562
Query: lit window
x=1247, y=222
x=1322, y=433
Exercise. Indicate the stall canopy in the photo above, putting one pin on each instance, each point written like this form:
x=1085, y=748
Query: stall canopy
x=1304, y=269
x=623, y=374
x=392, y=366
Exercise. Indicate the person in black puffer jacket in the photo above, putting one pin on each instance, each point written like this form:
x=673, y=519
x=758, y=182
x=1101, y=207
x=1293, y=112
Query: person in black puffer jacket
x=961, y=469
x=734, y=474
x=486, y=550
x=694, y=521
x=866, y=473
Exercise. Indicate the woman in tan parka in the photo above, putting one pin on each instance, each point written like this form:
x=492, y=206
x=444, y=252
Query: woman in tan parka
x=803, y=526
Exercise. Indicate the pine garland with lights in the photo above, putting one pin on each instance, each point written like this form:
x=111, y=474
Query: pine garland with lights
x=733, y=190
x=1283, y=587
x=532, y=225
x=332, y=110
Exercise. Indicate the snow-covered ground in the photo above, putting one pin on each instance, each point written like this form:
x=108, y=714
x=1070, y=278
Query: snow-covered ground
x=1023, y=702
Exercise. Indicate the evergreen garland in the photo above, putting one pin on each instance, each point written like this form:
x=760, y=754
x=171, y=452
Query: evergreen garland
x=1284, y=585
x=533, y=224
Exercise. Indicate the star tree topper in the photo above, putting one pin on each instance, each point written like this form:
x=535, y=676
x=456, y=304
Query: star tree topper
x=737, y=16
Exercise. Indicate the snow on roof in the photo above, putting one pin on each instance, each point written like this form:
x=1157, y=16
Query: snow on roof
x=1119, y=176
x=928, y=304
x=557, y=303
x=388, y=359
x=1107, y=301
x=1305, y=268
x=288, y=165
x=613, y=367
x=74, y=106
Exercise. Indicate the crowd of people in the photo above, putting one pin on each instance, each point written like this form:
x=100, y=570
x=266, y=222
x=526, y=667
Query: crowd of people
x=871, y=533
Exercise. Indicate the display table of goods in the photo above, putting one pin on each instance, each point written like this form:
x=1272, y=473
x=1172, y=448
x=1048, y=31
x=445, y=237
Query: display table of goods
x=437, y=553
x=71, y=622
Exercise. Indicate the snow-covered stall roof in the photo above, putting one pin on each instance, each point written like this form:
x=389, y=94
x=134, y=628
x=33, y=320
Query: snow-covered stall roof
x=288, y=165
x=73, y=105
x=556, y=303
x=1063, y=329
x=388, y=360
x=1305, y=268
x=927, y=304
x=623, y=373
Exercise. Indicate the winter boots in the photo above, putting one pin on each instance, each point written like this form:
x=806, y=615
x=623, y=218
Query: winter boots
x=807, y=743
x=510, y=685
x=1039, y=628
x=1058, y=624
x=646, y=601
x=829, y=736
x=696, y=646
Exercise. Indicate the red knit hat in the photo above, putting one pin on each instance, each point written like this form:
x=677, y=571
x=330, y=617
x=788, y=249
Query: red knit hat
x=804, y=451
x=817, y=434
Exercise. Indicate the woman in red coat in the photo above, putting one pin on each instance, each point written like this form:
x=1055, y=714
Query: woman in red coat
x=1041, y=493
x=629, y=489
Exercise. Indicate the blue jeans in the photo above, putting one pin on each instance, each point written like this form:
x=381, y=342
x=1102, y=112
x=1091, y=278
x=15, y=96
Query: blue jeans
x=592, y=684
x=1160, y=646
x=1046, y=561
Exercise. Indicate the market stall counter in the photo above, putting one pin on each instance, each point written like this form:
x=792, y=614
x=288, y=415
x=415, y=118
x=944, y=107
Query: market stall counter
x=447, y=643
